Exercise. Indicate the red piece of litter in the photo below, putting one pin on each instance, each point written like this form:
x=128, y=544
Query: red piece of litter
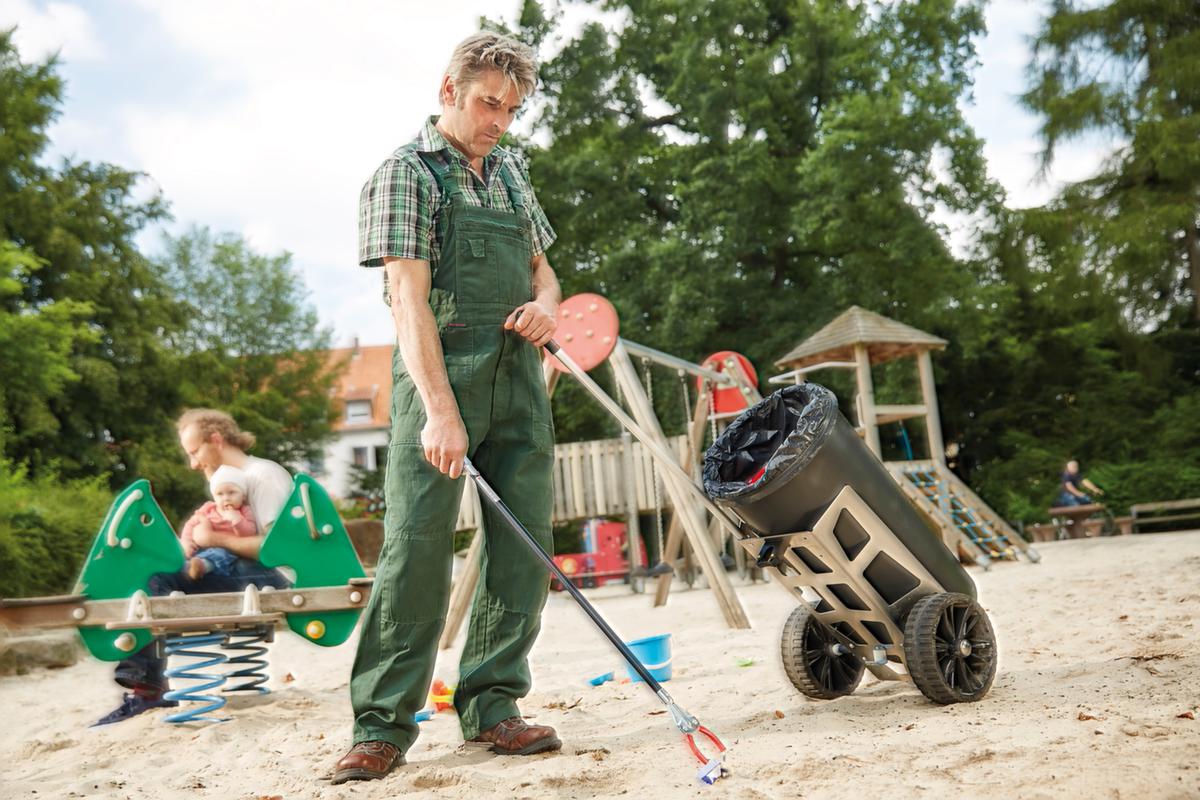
x=756, y=475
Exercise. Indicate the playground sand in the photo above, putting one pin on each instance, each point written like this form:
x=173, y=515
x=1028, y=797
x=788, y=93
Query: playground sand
x=1099, y=656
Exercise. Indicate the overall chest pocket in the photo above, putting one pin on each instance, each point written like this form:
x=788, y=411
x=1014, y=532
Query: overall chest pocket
x=477, y=278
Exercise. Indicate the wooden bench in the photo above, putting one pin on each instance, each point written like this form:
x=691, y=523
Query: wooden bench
x=1069, y=519
x=1173, y=511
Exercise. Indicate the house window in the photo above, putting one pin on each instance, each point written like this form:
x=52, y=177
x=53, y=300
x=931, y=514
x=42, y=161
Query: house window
x=380, y=457
x=361, y=454
x=358, y=411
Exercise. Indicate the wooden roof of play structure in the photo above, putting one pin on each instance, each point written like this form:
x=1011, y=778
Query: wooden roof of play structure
x=885, y=339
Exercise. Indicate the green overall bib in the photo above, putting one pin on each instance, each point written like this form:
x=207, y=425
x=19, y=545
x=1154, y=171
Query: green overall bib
x=482, y=276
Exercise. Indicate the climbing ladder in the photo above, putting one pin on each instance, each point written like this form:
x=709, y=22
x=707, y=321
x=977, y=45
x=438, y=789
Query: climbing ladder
x=965, y=520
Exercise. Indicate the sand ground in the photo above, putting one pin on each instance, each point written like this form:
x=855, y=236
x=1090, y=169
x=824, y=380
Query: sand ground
x=1098, y=672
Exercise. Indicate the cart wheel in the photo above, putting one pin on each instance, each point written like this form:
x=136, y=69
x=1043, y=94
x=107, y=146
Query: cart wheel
x=811, y=660
x=950, y=649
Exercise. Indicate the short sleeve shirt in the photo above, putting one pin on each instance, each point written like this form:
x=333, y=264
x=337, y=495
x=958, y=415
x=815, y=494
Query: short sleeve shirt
x=1075, y=479
x=268, y=487
x=398, y=204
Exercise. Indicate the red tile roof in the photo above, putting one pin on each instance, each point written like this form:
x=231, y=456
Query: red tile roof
x=367, y=376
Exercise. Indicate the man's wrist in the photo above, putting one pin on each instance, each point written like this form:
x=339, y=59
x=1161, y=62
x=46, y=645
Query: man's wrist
x=444, y=413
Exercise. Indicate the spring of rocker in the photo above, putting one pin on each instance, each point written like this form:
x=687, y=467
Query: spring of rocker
x=250, y=665
x=203, y=681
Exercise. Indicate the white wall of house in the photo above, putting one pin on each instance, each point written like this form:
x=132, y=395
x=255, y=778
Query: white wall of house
x=335, y=473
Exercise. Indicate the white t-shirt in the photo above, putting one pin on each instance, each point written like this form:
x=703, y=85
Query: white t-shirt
x=269, y=486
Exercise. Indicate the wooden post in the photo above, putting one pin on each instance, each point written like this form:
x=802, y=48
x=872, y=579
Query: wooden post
x=464, y=588
x=683, y=501
x=866, y=400
x=633, y=528
x=550, y=375
x=933, y=422
x=674, y=540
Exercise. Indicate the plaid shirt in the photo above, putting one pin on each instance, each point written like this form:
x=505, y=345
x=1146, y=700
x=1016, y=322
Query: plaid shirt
x=397, y=205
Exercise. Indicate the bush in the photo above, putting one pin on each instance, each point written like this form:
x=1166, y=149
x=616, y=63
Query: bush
x=47, y=526
x=1146, y=482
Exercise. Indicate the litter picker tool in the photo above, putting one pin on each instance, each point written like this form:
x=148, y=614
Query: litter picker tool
x=689, y=726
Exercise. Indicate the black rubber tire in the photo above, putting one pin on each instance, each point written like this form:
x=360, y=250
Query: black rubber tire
x=808, y=665
x=932, y=629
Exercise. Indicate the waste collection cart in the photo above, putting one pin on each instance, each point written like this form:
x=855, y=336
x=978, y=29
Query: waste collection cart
x=877, y=588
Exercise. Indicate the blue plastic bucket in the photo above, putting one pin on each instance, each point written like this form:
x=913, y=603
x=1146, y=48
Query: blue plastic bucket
x=655, y=654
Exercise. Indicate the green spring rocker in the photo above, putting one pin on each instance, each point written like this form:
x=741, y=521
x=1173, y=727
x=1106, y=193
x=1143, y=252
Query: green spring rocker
x=308, y=537
x=134, y=543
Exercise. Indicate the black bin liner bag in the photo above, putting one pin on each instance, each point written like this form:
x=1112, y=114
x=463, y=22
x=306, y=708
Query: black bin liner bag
x=781, y=463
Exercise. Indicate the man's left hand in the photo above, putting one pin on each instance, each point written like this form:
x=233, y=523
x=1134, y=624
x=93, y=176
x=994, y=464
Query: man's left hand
x=534, y=322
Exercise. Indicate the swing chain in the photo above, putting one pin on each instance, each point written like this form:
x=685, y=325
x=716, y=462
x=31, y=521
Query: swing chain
x=687, y=410
x=658, y=513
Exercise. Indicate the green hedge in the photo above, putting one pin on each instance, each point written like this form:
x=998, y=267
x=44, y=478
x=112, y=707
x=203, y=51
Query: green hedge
x=1147, y=482
x=46, y=529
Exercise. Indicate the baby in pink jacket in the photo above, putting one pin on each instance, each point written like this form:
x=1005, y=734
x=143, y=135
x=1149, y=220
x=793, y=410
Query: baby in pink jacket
x=226, y=513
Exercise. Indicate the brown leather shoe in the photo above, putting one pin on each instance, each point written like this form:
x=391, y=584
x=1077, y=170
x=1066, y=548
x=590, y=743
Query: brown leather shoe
x=515, y=737
x=367, y=761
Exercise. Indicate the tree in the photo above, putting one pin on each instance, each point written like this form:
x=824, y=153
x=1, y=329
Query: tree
x=1129, y=69
x=731, y=175
x=81, y=306
x=37, y=343
x=251, y=344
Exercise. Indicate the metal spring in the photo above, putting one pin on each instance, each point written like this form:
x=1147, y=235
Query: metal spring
x=250, y=664
x=188, y=647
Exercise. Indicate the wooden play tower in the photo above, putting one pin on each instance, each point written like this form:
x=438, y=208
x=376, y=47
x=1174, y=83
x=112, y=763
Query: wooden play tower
x=859, y=340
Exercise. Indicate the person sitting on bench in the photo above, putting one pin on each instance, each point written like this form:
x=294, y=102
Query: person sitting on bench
x=1071, y=486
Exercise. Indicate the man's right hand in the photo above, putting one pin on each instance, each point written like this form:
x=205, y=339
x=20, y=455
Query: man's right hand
x=444, y=439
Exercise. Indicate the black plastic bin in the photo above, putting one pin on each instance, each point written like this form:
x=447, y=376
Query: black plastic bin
x=781, y=463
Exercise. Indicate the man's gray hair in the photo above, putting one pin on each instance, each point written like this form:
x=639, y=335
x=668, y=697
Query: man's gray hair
x=487, y=50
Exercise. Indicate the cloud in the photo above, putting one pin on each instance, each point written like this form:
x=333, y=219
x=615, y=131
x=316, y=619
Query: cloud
x=46, y=29
x=305, y=99
x=265, y=118
x=1015, y=165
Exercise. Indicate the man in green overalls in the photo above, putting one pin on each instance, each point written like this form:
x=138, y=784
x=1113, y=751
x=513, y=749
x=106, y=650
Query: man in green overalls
x=453, y=220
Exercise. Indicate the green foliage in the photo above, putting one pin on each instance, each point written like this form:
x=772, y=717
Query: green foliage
x=1151, y=481
x=250, y=344
x=1043, y=367
x=732, y=174
x=47, y=525
x=365, y=497
x=80, y=307
x=1130, y=69
x=104, y=348
x=37, y=342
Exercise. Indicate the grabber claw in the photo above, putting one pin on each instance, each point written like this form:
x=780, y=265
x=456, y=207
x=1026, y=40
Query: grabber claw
x=712, y=769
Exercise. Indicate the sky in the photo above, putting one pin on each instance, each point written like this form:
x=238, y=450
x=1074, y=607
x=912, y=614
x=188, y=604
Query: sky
x=265, y=117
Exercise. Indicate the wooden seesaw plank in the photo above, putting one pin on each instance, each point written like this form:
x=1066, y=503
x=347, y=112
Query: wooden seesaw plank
x=76, y=611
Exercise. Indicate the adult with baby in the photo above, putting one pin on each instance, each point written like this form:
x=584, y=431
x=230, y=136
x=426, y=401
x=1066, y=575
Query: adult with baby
x=216, y=446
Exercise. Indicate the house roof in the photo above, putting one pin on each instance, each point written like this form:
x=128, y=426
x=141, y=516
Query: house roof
x=885, y=339
x=367, y=376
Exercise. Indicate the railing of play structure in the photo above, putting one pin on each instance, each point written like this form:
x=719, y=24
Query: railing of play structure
x=605, y=477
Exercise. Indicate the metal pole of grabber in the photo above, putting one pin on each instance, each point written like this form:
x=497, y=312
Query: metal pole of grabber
x=688, y=725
